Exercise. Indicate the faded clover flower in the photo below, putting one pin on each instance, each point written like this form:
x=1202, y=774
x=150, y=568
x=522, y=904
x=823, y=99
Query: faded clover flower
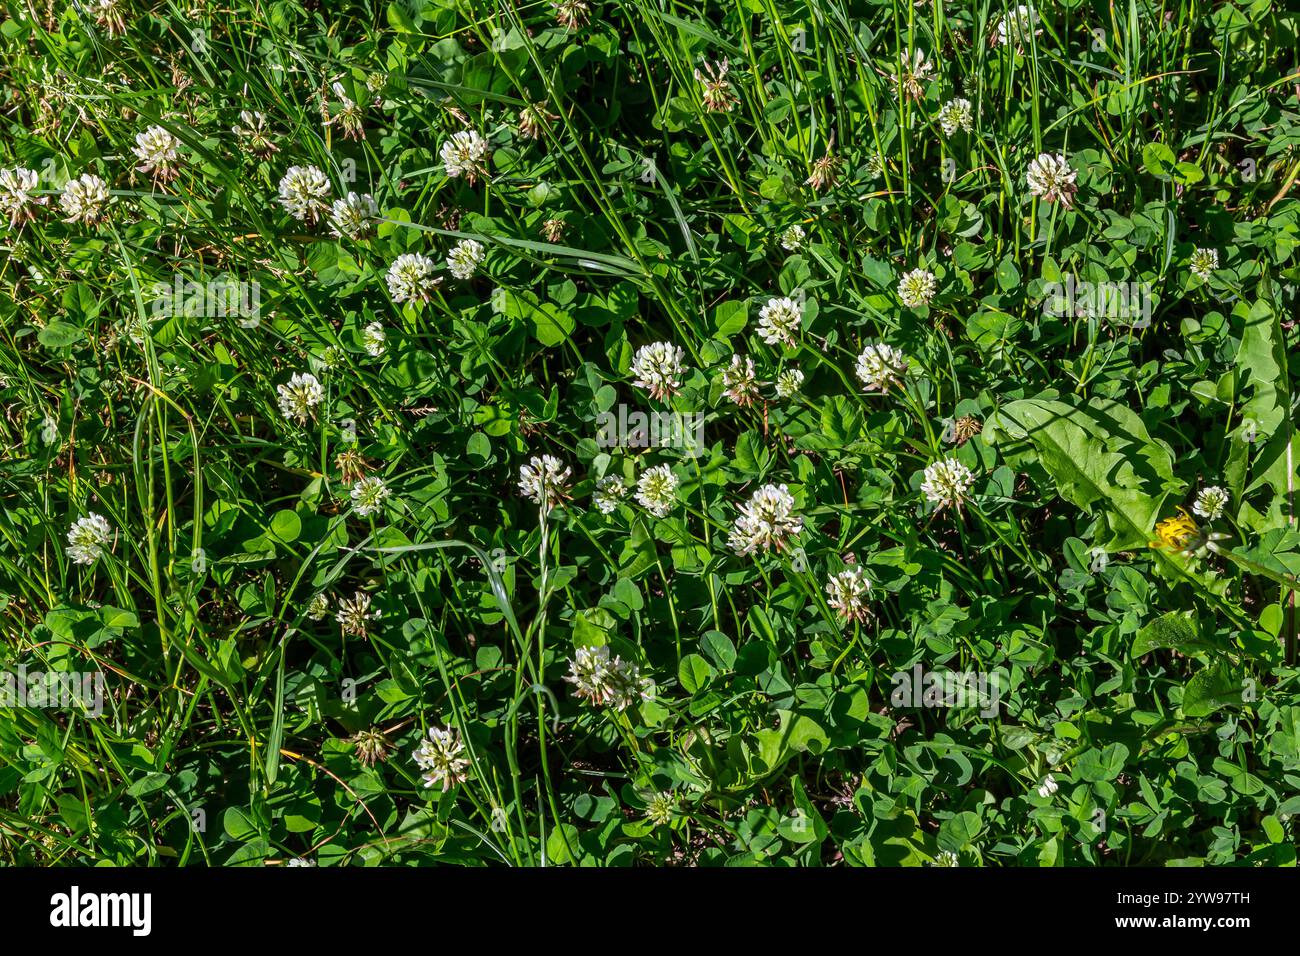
x=553, y=230
x=1051, y=179
x=847, y=592
x=84, y=199
x=465, y=258
x=1204, y=262
x=571, y=14
x=917, y=288
x=88, y=537
x=913, y=73
x=657, y=368
x=545, y=480
x=610, y=490
x=299, y=396
x=947, y=482
x=656, y=490
x=880, y=366
x=374, y=340
x=410, y=278
x=1210, y=502
x=439, y=756
x=353, y=216
x=252, y=132
x=465, y=154
x=157, y=151
x=718, y=94
x=372, y=746
x=369, y=495
x=17, y=195
x=533, y=119
x=304, y=192
x=766, y=521
x=826, y=170
x=738, y=382
x=778, y=321
x=788, y=383
x=354, y=616
x=352, y=465
x=348, y=115
x=792, y=239
x=108, y=14
x=956, y=114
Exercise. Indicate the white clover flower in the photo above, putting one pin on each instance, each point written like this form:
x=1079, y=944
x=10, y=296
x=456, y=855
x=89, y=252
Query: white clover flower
x=1048, y=787
x=766, y=521
x=914, y=73
x=661, y=808
x=465, y=258
x=369, y=495
x=465, y=154
x=610, y=490
x=875, y=166
x=157, y=151
x=738, y=382
x=606, y=681
x=84, y=199
x=718, y=95
x=880, y=366
x=410, y=278
x=348, y=115
x=108, y=14
x=353, y=216
x=374, y=339
x=792, y=239
x=656, y=490
x=88, y=538
x=571, y=14
x=847, y=592
x=318, y=608
x=1204, y=262
x=1210, y=502
x=298, y=861
x=778, y=321
x=17, y=195
x=956, y=114
x=788, y=383
x=657, y=368
x=1051, y=179
x=304, y=192
x=440, y=758
x=299, y=396
x=544, y=480
x=251, y=130
x=947, y=482
x=354, y=616
x=917, y=288
x=1016, y=27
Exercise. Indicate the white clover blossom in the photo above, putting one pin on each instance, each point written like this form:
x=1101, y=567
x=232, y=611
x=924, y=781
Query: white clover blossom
x=661, y=808
x=544, y=480
x=17, y=195
x=465, y=258
x=410, y=278
x=1051, y=179
x=792, y=239
x=1204, y=262
x=1048, y=787
x=300, y=396
x=917, y=288
x=766, y=521
x=847, y=593
x=157, y=151
x=88, y=537
x=718, y=95
x=778, y=321
x=1210, y=502
x=374, y=339
x=304, y=192
x=369, y=495
x=354, y=616
x=348, y=115
x=465, y=154
x=738, y=382
x=439, y=756
x=914, y=72
x=571, y=14
x=84, y=199
x=657, y=368
x=788, y=383
x=1016, y=27
x=956, y=114
x=947, y=482
x=318, y=608
x=353, y=216
x=656, y=490
x=880, y=366
x=609, y=491
x=299, y=861
x=606, y=681
x=946, y=858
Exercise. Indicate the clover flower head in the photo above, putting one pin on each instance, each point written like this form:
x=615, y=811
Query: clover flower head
x=369, y=495
x=300, y=396
x=1015, y=28
x=1051, y=179
x=318, y=608
x=656, y=490
x=304, y=192
x=766, y=521
x=1048, y=787
x=881, y=366
x=946, y=858
x=353, y=216
x=374, y=339
x=571, y=14
x=738, y=381
x=606, y=681
x=252, y=132
x=553, y=230
x=847, y=592
x=372, y=746
x=917, y=288
x=956, y=114
x=718, y=94
x=947, y=483
x=610, y=490
x=465, y=258
x=157, y=151
x=1204, y=262
x=410, y=278
x=788, y=383
x=534, y=119
x=17, y=195
x=914, y=72
x=465, y=154
x=545, y=480
x=661, y=808
x=778, y=321
x=792, y=239
x=88, y=537
x=1210, y=502
x=84, y=199
x=354, y=616
x=440, y=757
x=349, y=115
x=826, y=171
x=657, y=368
x=108, y=14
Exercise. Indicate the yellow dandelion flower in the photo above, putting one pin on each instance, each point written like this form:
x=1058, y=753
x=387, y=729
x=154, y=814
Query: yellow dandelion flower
x=1177, y=532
